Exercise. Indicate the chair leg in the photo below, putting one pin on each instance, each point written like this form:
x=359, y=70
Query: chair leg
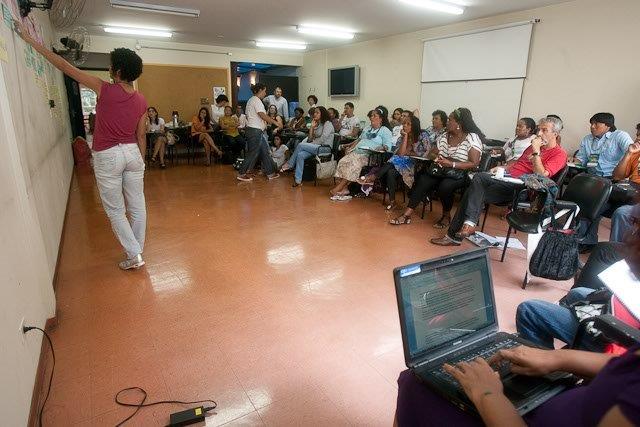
x=506, y=243
x=484, y=220
x=424, y=207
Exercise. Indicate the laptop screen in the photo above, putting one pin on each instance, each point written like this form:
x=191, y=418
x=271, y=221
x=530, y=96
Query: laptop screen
x=445, y=300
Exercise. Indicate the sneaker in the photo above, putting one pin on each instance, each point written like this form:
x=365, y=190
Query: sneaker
x=341, y=198
x=273, y=176
x=135, y=262
x=244, y=178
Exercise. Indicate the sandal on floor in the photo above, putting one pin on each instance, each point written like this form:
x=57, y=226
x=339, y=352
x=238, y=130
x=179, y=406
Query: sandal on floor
x=391, y=206
x=402, y=219
x=442, y=223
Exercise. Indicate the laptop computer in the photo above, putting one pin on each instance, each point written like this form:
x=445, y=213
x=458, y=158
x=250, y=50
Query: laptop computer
x=448, y=314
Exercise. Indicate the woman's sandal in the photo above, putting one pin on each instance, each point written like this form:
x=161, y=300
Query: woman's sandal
x=391, y=206
x=402, y=219
x=296, y=184
x=442, y=223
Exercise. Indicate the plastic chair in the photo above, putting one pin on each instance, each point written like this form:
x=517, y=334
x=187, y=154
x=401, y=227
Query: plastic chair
x=583, y=199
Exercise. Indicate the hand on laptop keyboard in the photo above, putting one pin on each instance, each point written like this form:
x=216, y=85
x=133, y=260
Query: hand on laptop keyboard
x=476, y=378
x=527, y=360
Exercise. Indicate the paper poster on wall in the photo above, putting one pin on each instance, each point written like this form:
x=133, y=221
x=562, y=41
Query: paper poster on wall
x=4, y=56
x=219, y=91
x=6, y=16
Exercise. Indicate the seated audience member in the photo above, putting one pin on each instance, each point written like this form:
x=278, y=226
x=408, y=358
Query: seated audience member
x=278, y=151
x=312, y=100
x=320, y=133
x=217, y=109
x=349, y=124
x=334, y=117
x=605, y=147
x=396, y=118
x=242, y=119
x=273, y=129
x=541, y=322
x=622, y=222
x=460, y=149
x=229, y=124
x=432, y=134
x=544, y=156
x=155, y=126
x=396, y=130
x=400, y=165
x=375, y=136
x=297, y=122
x=513, y=148
x=557, y=117
x=608, y=399
x=200, y=126
x=282, y=106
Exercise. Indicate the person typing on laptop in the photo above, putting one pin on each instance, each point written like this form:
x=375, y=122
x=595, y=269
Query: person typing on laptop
x=609, y=398
x=544, y=156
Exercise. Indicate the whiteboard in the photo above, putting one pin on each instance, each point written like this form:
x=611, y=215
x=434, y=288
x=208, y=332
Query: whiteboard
x=494, y=104
x=492, y=54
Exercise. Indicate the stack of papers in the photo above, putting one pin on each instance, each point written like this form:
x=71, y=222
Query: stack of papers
x=485, y=241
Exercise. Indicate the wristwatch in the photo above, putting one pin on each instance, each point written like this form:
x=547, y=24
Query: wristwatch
x=535, y=154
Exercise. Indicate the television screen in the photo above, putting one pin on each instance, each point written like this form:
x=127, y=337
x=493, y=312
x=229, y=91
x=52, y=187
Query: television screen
x=344, y=81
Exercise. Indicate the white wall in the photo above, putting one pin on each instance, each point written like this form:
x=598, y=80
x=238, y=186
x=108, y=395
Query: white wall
x=35, y=171
x=583, y=60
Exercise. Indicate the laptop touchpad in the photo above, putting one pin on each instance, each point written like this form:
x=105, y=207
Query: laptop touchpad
x=520, y=386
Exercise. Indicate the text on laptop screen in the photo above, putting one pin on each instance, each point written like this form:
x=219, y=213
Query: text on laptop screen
x=446, y=303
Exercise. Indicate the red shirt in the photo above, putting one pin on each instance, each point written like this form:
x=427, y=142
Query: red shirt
x=117, y=115
x=553, y=159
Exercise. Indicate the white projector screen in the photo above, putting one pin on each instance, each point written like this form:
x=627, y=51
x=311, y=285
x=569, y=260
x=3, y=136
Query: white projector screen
x=494, y=104
x=493, y=54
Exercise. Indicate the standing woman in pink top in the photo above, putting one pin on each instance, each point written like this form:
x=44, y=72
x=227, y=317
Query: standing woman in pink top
x=119, y=142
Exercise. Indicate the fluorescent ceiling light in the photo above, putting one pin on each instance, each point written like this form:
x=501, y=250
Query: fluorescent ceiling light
x=436, y=5
x=138, y=31
x=325, y=32
x=155, y=8
x=281, y=44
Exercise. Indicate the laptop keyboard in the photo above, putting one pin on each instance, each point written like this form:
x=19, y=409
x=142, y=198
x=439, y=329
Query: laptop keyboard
x=484, y=352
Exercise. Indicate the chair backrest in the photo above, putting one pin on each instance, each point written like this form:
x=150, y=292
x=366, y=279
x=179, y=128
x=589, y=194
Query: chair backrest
x=559, y=177
x=589, y=192
x=485, y=161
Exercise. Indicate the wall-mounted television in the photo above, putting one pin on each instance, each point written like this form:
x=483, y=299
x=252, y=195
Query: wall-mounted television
x=344, y=81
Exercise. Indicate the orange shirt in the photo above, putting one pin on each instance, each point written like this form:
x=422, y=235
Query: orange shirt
x=632, y=172
x=197, y=126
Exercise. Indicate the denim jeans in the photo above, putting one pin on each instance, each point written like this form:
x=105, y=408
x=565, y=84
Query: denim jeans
x=119, y=173
x=303, y=151
x=257, y=147
x=541, y=321
x=622, y=222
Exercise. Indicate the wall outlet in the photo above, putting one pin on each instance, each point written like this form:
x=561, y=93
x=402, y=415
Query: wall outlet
x=21, y=330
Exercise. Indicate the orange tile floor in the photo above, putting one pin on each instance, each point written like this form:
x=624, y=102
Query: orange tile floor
x=275, y=302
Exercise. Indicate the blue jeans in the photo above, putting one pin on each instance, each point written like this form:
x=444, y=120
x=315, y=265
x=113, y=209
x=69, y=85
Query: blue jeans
x=541, y=321
x=621, y=222
x=303, y=151
x=257, y=147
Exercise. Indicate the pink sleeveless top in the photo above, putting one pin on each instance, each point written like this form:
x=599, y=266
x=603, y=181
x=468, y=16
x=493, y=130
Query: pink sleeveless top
x=117, y=116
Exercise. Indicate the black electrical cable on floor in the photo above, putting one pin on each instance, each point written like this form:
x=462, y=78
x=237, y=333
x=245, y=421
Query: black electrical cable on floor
x=160, y=402
x=26, y=329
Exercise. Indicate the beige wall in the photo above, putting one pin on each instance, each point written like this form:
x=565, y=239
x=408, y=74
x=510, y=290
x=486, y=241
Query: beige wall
x=35, y=171
x=583, y=60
